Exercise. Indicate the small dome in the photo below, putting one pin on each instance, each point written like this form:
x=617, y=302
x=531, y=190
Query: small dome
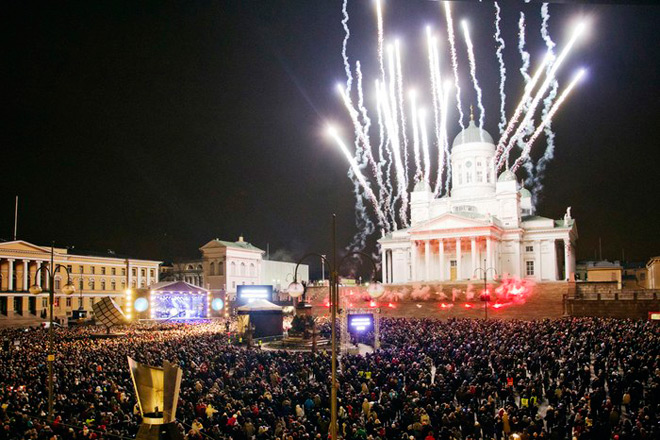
x=524, y=193
x=422, y=186
x=506, y=176
x=472, y=133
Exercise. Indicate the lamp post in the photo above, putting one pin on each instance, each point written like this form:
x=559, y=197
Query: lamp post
x=296, y=289
x=485, y=297
x=68, y=289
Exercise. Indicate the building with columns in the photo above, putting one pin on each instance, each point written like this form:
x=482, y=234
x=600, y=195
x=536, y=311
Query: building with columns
x=94, y=275
x=486, y=222
x=225, y=265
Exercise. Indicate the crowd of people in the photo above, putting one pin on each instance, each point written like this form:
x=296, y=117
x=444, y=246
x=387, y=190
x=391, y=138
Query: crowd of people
x=582, y=378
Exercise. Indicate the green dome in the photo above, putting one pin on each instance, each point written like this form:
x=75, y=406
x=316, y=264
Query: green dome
x=524, y=193
x=472, y=133
x=506, y=176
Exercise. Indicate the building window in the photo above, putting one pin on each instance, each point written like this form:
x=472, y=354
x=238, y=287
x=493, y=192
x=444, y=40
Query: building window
x=144, y=272
x=212, y=268
x=113, y=285
x=487, y=176
x=103, y=270
x=57, y=284
x=242, y=269
x=114, y=271
x=153, y=274
x=92, y=284
x=134, y=271
x=103, y=285
x=69, y=268
x=92, y=270
x=233, y=268
x=221, y=268
x=123, y=271
x=642, y=276
x=80, y=284
x=253, y=272
x=468, y=172
x=81, y=269
x=529, y=268
x=44, y=303
x=233, y=284
x=480, y=172
x=68, y=302
x=123, y=285
x=134, y=284
x=529, y=248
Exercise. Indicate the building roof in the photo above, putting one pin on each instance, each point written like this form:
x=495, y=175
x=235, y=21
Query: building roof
x=177, y=286
x=259, y=305
x=524, y=193
x=239, y=245
x=472, y=133
x=422, y=186
x=506, y=176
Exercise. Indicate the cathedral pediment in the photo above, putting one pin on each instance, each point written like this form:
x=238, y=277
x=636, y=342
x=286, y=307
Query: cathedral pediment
x=451, y=221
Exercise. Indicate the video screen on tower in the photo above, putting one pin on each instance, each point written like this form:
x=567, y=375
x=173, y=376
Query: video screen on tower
x=360, y=323
x=246, y=294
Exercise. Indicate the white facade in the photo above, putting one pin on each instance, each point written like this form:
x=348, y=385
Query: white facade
x=485, y=223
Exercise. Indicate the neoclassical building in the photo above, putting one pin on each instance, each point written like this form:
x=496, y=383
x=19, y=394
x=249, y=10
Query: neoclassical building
x=486, y=222
x=93, y=274
x=225, y=265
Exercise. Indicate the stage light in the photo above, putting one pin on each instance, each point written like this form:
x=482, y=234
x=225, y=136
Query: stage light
x=141, y=304
x=217, y=304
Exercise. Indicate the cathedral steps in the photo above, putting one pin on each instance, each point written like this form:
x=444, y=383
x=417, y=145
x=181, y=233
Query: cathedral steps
x=422, y=300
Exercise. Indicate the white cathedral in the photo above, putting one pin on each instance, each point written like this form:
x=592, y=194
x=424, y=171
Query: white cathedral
x=486, y=224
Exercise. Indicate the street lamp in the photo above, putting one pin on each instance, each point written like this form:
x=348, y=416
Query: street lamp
x=296, y=289
x=485, y=296
x=68, y=289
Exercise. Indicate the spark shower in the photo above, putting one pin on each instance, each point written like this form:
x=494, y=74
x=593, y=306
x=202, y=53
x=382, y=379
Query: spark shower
x=396, y=142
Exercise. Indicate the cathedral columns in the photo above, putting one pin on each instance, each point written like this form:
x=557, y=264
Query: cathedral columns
x=413, y=260
x=567, y=260
x=427, y=259
x=489, y=254
x=10, y=274
x=441, y=252
x=473, y=253
x=538, y=270
x=383, y=265
x=26, y=274
x=459, y=275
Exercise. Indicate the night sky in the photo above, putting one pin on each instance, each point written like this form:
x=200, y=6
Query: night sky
x=151, y=128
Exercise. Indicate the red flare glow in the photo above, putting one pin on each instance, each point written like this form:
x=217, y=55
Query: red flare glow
x=372, y=304
x=391, y=306
x=468, y=306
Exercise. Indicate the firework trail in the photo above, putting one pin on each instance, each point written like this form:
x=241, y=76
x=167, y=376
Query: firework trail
x=550, y=76
x=425, y=145
x=547, y=104
x=445, y=137
x=344, y=55
x=436, y=93
x=360, y=177
x=500, y=59
x=524, y=68
x=518, y=112
x=365, y=226
x=402, y=113
x=454, y=61
x=402, y=184
x=385, y=161
x=381, y=39
x=416, y=149
x=473, y=74
x=547, y=119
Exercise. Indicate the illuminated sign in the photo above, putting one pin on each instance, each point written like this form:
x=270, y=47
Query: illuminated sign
x=360, y=323
x=654, y=316
x=248, y=294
